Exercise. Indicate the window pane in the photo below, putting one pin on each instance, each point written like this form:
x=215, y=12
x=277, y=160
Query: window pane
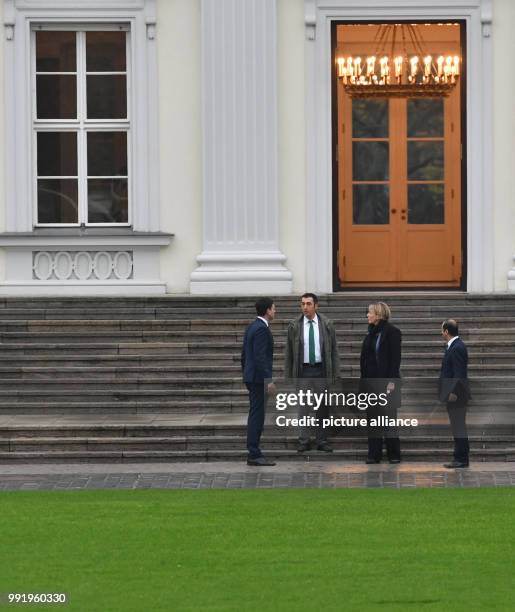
x=107, y=201
x=369, y=118
x=370, y=205
x=105, y=51
x=107, y=97
x=107, y=154
x=425, y=117
x=56, y=52
x=57, y=153
x=425, y=204
x=370, y=161
x=56, y=97
x=57, y=201
x=425, y=161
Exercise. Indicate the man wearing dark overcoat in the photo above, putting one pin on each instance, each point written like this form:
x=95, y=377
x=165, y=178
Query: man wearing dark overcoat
x=312, y=353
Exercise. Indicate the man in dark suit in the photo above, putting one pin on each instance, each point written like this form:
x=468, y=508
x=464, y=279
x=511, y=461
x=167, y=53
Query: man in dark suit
x=454, y=391
x=256, y=363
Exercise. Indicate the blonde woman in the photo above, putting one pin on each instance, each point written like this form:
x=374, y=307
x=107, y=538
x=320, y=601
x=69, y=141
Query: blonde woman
x=381, y=360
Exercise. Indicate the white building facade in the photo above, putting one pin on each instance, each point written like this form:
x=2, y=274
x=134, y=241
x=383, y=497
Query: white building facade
x=188, y=146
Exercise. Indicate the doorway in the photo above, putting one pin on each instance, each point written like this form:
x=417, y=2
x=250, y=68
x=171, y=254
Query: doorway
x=399, y=177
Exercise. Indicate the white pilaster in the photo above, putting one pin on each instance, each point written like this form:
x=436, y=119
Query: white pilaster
x=239, y=107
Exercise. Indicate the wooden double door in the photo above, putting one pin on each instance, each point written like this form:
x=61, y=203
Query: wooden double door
x=399, y=191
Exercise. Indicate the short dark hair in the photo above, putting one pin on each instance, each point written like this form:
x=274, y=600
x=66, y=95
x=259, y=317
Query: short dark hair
x=262, y=305
x=451, y=326
x=310, y=295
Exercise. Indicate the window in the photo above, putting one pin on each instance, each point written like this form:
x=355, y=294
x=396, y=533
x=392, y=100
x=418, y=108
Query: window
x=81, y=126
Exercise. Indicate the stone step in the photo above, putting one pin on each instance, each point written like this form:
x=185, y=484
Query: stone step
x=499, y=364
x=95, y=403
x=420, y=334
x=419, y=454
x=225, y=443
x=504, y=382
x=24, y=329
x=14, y=318
x=230, y=353
x=93, y=406
x=188, y=301
x=86, y=427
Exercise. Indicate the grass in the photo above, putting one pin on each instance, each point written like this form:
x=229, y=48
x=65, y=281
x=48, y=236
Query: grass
x=447, y=549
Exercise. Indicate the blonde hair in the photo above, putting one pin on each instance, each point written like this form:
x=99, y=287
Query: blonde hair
x=381, y=310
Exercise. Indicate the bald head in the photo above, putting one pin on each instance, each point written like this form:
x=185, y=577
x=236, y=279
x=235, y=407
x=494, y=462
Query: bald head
x=451, y=327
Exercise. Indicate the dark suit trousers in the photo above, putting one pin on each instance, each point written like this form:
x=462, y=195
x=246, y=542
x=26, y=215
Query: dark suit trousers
x=318, y=384
x=376, y=435
x=457, y=415
x=256, y=418
x=375, y=443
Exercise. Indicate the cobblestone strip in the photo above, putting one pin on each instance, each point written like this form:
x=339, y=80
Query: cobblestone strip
x=258, y=480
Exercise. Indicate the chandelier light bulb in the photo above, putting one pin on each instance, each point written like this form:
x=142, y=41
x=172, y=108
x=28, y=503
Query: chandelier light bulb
x=424, y=74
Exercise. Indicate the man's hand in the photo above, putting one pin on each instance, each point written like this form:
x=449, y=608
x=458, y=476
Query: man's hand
x=390, y=387
x=452, y=398
x=271, y=389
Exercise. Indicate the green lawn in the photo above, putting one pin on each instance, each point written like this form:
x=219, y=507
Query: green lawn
x=446, y=549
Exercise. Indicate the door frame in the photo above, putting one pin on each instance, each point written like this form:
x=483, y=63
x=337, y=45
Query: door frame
x=337, y=285
x=477, y=143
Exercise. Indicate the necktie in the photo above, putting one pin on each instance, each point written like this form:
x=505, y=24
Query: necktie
x=311, y=344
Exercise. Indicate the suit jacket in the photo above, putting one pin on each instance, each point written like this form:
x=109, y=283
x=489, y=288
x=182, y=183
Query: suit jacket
x=294, y=351
x=453, y=374
x=257, y=353
x=388, y=354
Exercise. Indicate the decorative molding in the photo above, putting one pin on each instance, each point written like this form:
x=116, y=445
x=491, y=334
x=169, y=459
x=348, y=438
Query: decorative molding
x=75, y=263
x=82, y=265
x=511, y=277
x=151, y=30
x=486, y=18
x=239, y=119
x=9, y=31
x=479, y=129
x=310, y=19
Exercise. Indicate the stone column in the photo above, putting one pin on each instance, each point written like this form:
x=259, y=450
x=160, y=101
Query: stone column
x=239, y=114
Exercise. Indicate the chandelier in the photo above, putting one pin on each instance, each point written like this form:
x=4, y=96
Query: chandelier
x=397, y=73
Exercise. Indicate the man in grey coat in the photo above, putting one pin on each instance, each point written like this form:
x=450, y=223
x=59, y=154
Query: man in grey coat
x=312, y=353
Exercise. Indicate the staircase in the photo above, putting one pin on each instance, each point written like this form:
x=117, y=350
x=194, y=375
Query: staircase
x=158, y=379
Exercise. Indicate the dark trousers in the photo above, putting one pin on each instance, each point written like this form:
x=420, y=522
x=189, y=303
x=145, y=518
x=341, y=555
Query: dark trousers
x=377, y=435
x=457, y=415
x=256, y=418
x=318, y=385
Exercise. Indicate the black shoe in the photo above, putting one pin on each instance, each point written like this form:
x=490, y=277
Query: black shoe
x=260, y=461
x=393, y=461
x=455, y=464
x=370, y=461
x=302, y=448
x=324, y=447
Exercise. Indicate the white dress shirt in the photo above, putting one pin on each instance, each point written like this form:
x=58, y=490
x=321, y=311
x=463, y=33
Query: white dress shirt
x=318, y=354
x=451, y=341
x=264, y=320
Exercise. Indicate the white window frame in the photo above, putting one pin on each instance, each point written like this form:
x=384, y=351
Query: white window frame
x=81, y=125
x=21, y=18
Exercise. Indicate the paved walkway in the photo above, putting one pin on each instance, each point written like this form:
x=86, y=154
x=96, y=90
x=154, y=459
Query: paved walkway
x=225, y=475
